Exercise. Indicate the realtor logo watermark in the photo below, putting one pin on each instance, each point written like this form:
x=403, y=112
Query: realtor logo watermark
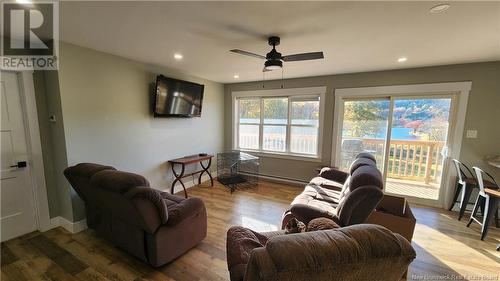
x=30, y=36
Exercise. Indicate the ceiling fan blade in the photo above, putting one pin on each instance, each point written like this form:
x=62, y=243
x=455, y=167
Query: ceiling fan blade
x=241, y=52
x=304, y=56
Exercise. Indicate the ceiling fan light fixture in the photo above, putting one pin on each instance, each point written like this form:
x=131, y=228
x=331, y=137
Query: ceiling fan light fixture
x=273, y=64
x=439, y=8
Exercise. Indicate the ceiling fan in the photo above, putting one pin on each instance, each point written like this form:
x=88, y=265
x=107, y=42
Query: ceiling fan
x=274, y=59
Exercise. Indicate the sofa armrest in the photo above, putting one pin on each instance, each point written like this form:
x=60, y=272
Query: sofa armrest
x=357, y=206
x=184, y=209
x=333, y=174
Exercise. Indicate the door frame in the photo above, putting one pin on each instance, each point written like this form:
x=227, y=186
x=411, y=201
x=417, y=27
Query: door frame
x=459, y=91
x=33, y=143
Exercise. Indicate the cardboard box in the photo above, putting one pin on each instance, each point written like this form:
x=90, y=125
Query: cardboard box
x=395, y=214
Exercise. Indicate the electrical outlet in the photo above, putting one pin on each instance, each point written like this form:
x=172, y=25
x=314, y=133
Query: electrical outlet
x=471, y=134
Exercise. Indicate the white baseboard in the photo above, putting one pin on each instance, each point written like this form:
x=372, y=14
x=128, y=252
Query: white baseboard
x=283, y=180
x=73, y=227
x=189, y=182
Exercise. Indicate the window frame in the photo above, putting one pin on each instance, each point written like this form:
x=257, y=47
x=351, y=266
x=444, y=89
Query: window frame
x=294, y=94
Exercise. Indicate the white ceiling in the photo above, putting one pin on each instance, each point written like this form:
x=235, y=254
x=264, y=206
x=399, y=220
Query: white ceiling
x=355, y=36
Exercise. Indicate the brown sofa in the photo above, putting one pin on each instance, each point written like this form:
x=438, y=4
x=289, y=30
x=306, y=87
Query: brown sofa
x=360, y=252
x=346, y=198
x=154, y=226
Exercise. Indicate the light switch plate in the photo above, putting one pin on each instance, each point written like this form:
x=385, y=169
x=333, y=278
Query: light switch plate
x=471, y=134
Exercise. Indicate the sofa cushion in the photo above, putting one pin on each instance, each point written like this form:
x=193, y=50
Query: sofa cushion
x=326, y=183
x=360, y=162
x=183, y=210
x=86, y=169
x=333, y=174
x=79, y=177
x=322, y=194
x=117, y=181
x=366, y=155
x=321, y=224
x=366, y=175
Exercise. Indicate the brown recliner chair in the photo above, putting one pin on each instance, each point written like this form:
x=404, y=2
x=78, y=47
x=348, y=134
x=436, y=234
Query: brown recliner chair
x=346, y=198
x=152, y=225
x=362, y=252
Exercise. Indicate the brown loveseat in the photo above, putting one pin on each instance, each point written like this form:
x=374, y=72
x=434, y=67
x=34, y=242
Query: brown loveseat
x=346, y=198
x=154, y=226
x=360, y=252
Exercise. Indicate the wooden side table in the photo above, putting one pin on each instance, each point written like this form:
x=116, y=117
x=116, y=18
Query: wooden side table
x=193, y=159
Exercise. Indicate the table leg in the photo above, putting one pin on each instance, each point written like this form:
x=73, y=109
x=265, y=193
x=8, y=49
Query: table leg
x=206, y=169
x=178, y=178
x=490, y=207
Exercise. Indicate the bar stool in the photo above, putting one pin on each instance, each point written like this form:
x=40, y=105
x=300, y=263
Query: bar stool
x=483, y=199
x=466, y=182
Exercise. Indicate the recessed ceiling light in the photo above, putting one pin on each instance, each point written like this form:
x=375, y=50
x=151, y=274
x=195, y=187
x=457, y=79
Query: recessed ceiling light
x=402, y=59
x=236, y=76
x=178, y=56
x=439, y=8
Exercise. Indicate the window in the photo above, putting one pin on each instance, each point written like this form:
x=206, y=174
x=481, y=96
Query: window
x=249, y=123
x=304, y=126
x=287, y=125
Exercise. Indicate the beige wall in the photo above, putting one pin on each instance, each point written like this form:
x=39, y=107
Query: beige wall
x=482, y=110
x=105, y=103
x=53, y=143
x=106, y=106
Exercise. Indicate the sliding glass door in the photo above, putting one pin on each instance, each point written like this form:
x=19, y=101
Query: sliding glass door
x=417, y=146
x=411, y=153
x=364, y=128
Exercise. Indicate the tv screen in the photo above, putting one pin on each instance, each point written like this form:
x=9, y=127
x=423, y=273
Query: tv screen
x=177, y=98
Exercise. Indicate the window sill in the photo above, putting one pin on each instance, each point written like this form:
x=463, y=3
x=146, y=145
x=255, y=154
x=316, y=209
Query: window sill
x=268, y=154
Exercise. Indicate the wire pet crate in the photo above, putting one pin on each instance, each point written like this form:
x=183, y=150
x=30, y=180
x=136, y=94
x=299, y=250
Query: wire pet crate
x=237, y=169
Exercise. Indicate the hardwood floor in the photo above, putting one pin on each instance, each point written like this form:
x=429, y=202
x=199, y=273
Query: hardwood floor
x=444, y=245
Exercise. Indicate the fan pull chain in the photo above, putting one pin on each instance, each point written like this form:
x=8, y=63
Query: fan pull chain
x=282, y=71
x=263, y=79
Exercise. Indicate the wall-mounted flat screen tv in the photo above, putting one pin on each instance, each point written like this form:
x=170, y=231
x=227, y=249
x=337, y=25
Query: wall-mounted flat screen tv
x=177, y=98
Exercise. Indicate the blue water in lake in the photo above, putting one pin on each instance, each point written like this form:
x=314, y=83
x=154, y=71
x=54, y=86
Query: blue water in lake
x=397, y=133
x=401, y=134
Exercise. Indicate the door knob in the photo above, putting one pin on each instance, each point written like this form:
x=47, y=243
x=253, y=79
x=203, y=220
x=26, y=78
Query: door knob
x=20, y=164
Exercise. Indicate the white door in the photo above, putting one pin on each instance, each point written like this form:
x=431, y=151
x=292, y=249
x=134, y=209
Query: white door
x=17, y=204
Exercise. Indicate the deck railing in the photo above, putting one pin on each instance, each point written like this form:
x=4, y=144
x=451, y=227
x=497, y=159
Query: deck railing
x=410, y=159
x=305, y=144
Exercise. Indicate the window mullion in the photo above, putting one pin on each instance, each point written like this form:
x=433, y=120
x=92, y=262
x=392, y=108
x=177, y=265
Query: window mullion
x=261, y=125
x=237, y=118
x=288, y=126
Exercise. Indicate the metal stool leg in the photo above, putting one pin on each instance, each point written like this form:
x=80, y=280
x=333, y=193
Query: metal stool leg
x=496, y=218
x=458, y=188
x=490, y=207
x=466, y=192
x=479, y=202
